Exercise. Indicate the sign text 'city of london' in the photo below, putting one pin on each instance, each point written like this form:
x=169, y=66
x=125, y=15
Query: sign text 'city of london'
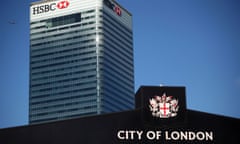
x=165, y=135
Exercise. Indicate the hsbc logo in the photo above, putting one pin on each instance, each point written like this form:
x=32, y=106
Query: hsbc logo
x=114, y=7
x=63, y=4
x=50, y=7
x=118, y=10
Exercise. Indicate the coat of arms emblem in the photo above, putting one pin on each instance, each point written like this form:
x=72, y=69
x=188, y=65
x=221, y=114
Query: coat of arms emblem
x=163, y=106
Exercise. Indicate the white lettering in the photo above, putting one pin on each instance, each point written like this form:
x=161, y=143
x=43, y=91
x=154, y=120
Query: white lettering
x=120, y=135
x=169, y=135
x=189, y=135
x=154, y=135
x=175, y=135
x=139, y=133
x=151, y=135
x=209, y=136
x=184, y=135
x=129, y=135
x=158, y=134
x=166, y=136
x=200, y=136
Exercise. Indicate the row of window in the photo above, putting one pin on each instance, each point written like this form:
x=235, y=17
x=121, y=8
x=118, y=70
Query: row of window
x=115, y=98
x=108, y=19
x=122, y=87
x=117, y=52
x=48, y=119
x=66, y=56
x=47, y=31
x=65, y=33
x=48, y=50
x=57, y=49
x=63, y=63
x=41, y=102
x=68, y=79
x=64, y=20
x=68, y=68
x=56, y=76
x=58, y=73
x=114, y=106
x=61, y=40
x=84, y=94
x=61, y=86
x=118, y=38
x=118, y=66
x=60, y=57
x=66, y=91
x=61, y=113
x=63, y=105
x=84, y=12
x=50, y=80
x=114, y=32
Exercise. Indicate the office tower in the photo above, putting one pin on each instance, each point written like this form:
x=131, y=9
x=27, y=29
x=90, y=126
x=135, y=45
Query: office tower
x=81, y=59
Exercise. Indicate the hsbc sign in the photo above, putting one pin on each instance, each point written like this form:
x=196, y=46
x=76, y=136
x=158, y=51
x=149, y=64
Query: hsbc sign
x=50, y=7
x=114, y=7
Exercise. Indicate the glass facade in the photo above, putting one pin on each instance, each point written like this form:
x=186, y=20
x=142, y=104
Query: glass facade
x=81, y=64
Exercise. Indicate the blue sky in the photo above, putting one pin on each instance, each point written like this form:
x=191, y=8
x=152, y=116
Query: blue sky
x=192, y=43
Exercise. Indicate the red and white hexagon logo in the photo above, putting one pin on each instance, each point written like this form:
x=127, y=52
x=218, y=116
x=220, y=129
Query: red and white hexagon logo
x=63, y=4
x=117, y=10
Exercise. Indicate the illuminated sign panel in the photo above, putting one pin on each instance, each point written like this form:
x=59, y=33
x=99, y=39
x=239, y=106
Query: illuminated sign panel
x=50, y=7
x=47, y=7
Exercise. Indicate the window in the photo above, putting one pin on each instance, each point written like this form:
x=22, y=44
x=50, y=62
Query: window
x=63, y=20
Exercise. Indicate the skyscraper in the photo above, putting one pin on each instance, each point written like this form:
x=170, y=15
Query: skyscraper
x=81, y=59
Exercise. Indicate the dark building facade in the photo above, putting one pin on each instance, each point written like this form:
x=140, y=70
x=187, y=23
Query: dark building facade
x=81, y=59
